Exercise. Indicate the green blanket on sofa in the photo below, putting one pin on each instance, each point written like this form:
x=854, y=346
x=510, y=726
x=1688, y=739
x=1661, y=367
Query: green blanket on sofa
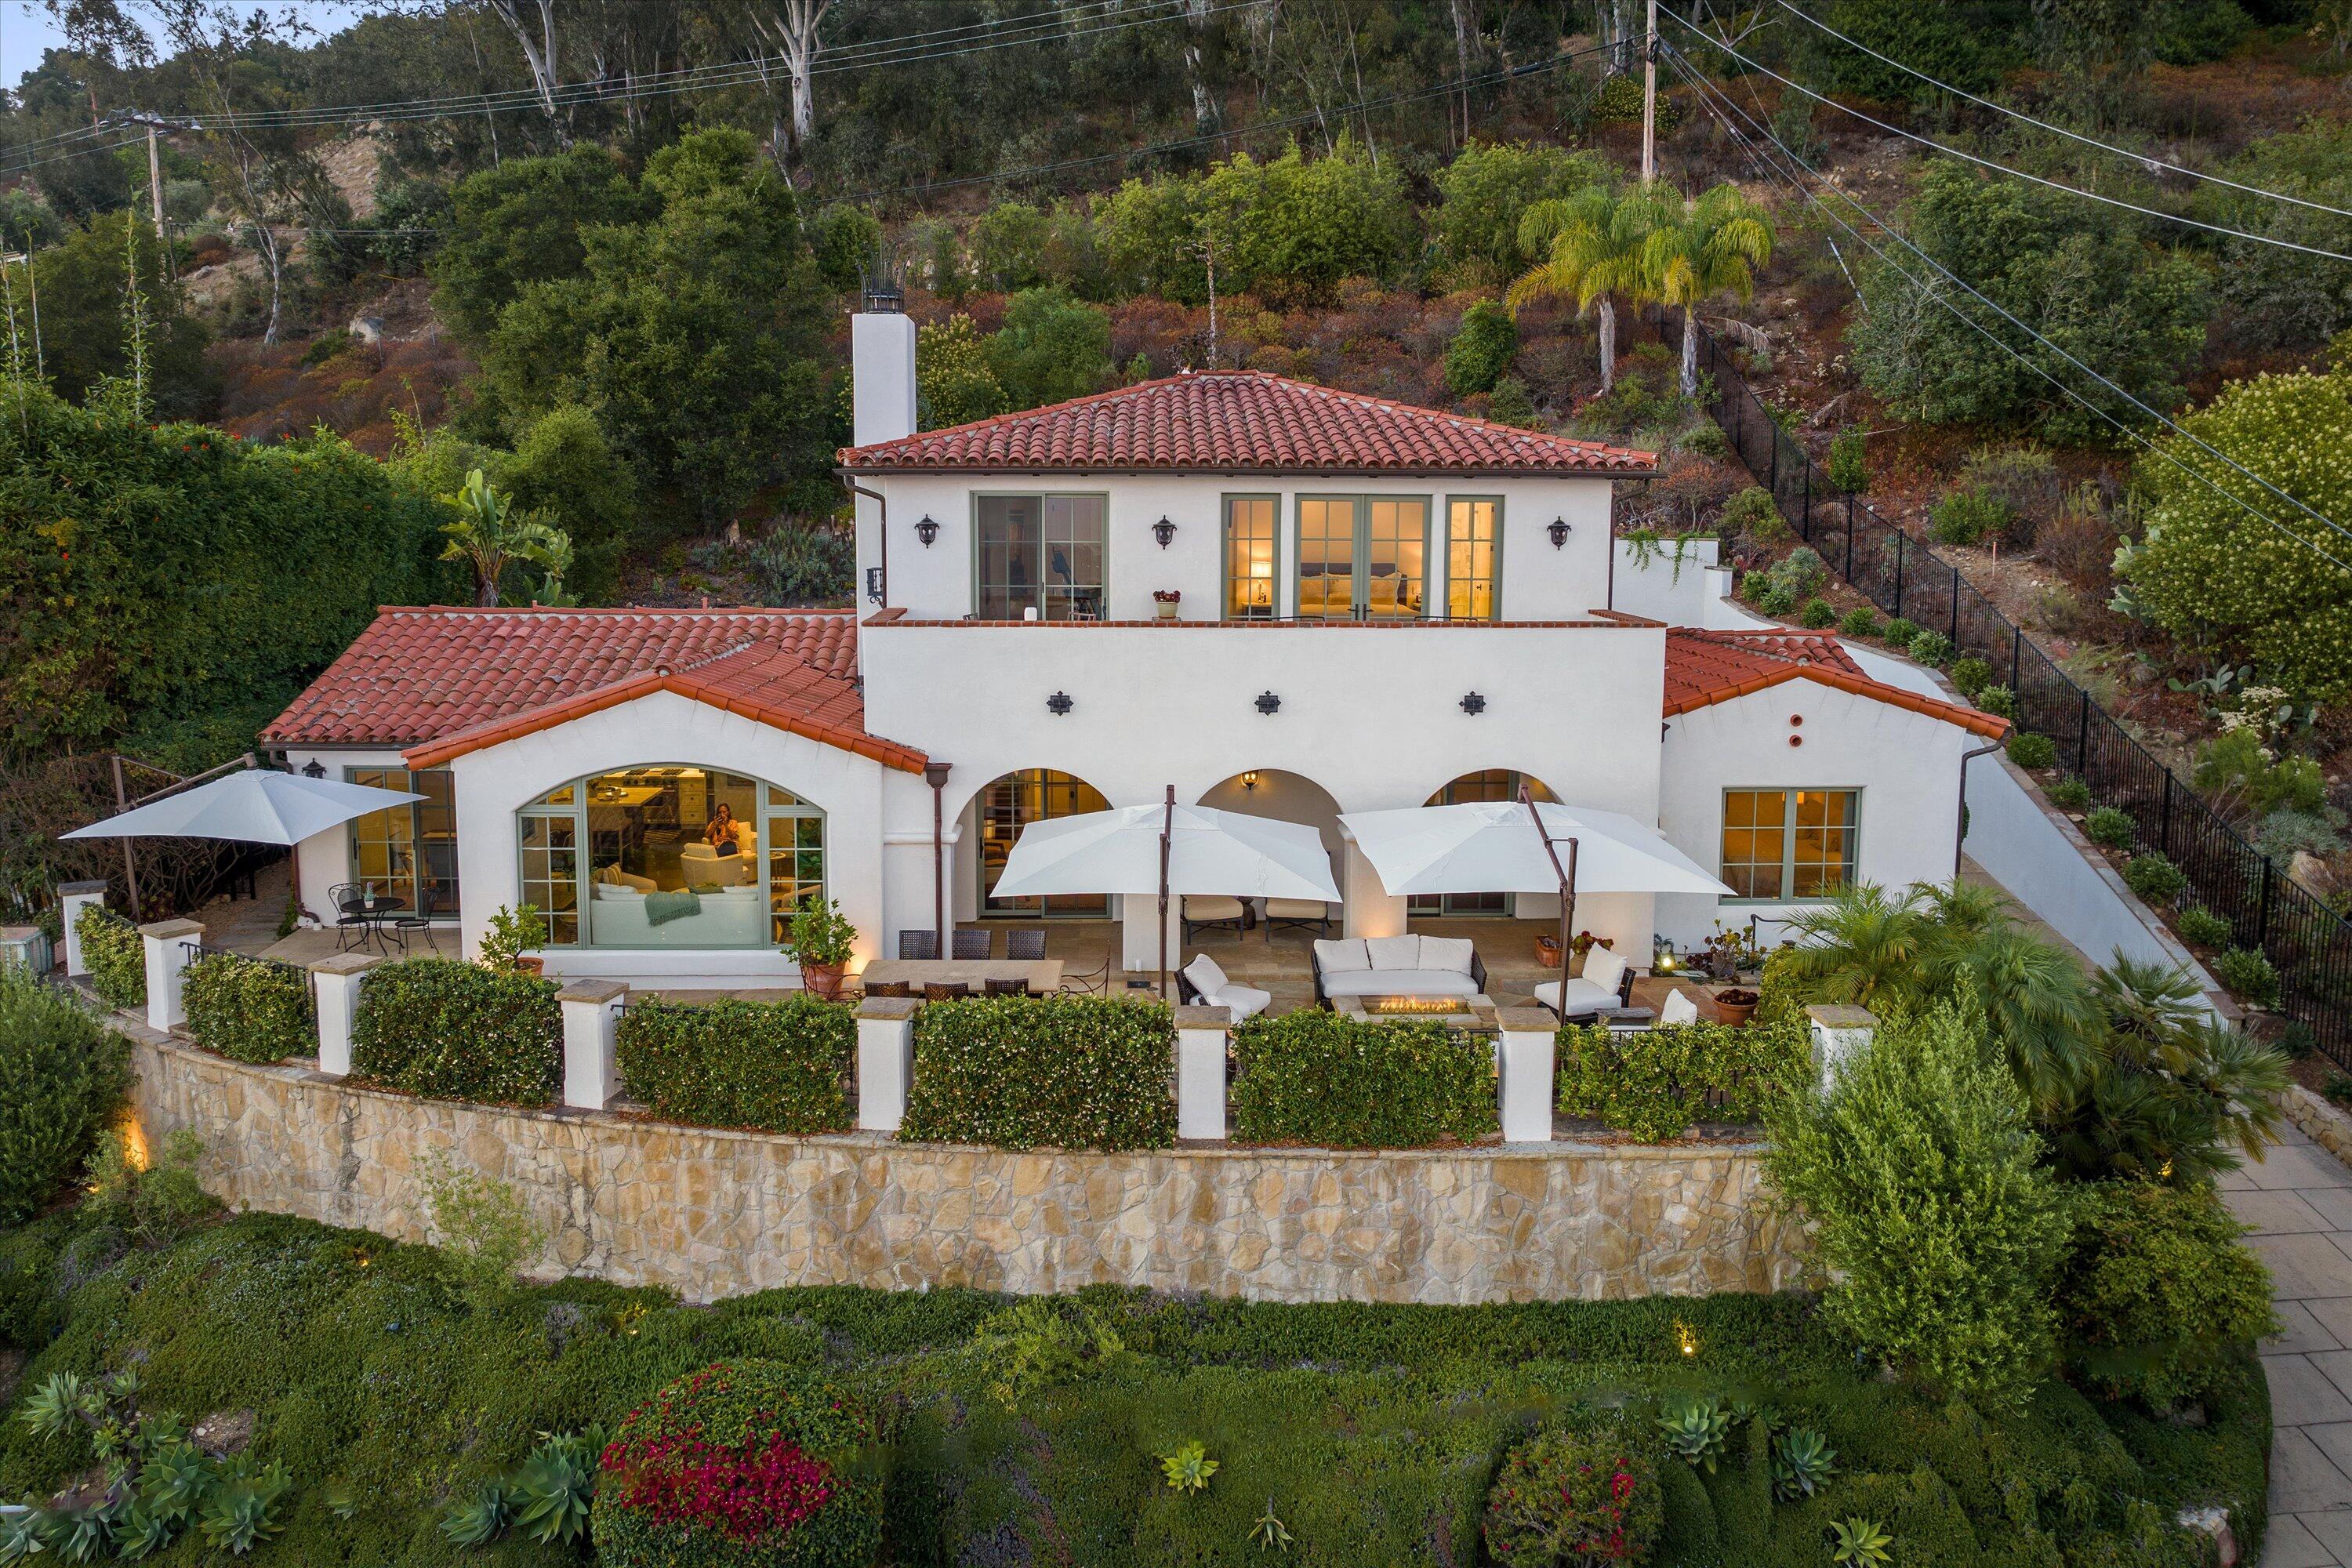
x=662, y=908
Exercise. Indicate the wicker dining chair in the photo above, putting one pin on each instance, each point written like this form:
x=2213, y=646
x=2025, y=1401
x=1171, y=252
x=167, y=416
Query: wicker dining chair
x=945, y=991
x=1027, y=944
x=918, y=944
x=1006, y=987
x=971, y=945
x=890, y=988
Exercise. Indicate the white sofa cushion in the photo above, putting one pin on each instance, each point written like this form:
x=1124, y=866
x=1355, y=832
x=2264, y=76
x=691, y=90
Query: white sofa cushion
x=1678, y=1008
x=1447, y=952
x=1204, y=975
x=1400, y=983
x=1394, y=952
x=1583, y=997
x=1245, y=1001
x=1604, y=969
x=615, y=891
x=1342, y=955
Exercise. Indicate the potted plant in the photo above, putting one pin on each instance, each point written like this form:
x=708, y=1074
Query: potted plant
x=1583, y=943
x=1547, y=952
x=512, y=939
x=1165, y=602
x=1735, y=1007
x=821, y=938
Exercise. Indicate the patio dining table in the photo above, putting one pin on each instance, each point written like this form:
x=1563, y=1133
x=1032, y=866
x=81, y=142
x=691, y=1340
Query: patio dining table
x=1042, y=975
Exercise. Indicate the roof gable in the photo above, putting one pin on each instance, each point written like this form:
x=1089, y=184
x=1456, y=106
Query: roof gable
x=1705, y=667
x=1241, y=422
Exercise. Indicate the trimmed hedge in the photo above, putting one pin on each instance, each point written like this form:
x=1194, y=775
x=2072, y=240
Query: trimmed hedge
x=249, y=1011
x=117, y=956
x=1320, y=1078
x=1651, y=1084
x=62, y=1076
x=778, y=1067
x=1018, y=1072
x=452, y=1030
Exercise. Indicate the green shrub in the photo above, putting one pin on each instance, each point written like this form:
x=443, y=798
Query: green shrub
x=1966, y=516
x=1318, y=1077
x=1818, y=615
x=116, y=954
x=2160, y=1290
x=1849, y=465
x=458, y=1031
x=2154, y=879
x=2203, y=928
x=775, y=1066
x=2248, y=975
x=1923, y=1176
x=1930, y=648
x=62, y=1076
x=2031, y=751
x=1753, y=512
x=1863, y=622
x=2000, y=702
x=1654, y=1083
x=1575, y=1497
x=1482, y=350
x=2070, y=794
x=2111, y=827
x=1797, y=576
x=1073, y=1072
x=1899, y=631
x=747, y=1462
x=249, y=1010
x=1970, y=675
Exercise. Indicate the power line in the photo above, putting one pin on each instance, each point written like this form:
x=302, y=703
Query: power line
x=1709, y=92
x=2003, y=168
x=2147, y=161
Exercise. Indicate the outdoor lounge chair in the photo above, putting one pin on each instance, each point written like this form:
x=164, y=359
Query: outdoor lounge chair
x=1202, y=983
x=1607, y=982
x=1306, y=915
x=1207, y=911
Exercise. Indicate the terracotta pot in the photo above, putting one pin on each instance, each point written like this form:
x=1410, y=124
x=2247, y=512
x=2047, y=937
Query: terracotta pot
x=1547, y=951
x=823, y=980
x=1734, y=1014
x=528, y=964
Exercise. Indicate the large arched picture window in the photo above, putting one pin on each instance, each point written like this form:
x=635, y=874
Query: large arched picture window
x=669, y=855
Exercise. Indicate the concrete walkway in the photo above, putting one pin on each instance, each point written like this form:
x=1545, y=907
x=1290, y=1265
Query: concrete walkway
x=2299, y=1202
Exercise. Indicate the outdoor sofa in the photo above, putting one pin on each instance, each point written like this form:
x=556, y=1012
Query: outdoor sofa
x=1430, y=966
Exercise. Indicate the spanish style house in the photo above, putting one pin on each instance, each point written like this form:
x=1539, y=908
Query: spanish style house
x=1274, y=598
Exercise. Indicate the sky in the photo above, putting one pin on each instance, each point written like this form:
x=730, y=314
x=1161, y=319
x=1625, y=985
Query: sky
x=26, y=29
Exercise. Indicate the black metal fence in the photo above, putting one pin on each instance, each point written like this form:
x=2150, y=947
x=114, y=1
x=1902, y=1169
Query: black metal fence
x=2309, y=943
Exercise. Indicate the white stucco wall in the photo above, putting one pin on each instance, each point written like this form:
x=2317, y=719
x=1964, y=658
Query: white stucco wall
x=1691, y=590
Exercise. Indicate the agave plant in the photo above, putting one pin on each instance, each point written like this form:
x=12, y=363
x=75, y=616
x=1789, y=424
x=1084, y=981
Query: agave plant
x=143, y=1532
x=21, y=1536
x=173, y=1480
x=552, y=1494
x=241, y=1510
x=62, y=1400
x=80, y=1535
x=1860, y=1541
x=1802, y=1463
x=480, y=1520
x=1188, y=1468
x=1269, y=1533
x=1696, y=1432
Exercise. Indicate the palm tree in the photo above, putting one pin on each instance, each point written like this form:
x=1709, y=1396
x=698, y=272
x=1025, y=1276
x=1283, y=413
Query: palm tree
x=1713, y=248
x=1592, y=244
x=1864, y=946
x=484, y=535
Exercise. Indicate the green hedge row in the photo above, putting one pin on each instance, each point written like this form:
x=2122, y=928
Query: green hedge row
x=452, y=1030
x=116, y=954
x=1318, y=1077
x=775, y=1066
x=1071, y=1072
x=247, y=1010
x=1654, y=1083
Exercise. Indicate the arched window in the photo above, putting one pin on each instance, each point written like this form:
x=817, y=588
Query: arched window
x=669, y=855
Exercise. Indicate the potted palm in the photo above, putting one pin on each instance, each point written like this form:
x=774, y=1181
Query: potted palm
x=820, y=939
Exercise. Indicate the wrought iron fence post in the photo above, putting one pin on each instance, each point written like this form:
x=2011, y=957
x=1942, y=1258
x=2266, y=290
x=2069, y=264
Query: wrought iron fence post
x=2083, y=735
x=1956, y=609
x=2016, y=653
x=2263, y=907
x=1899, y=537
x=1849, y=536
x=2164, y=830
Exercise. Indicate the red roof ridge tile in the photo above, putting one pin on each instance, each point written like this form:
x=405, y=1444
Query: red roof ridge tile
x=1694, y=681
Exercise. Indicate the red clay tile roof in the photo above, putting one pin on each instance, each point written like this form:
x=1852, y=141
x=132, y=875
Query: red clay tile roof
x=1241, y=422
x=444, y=680
x=1707, y=668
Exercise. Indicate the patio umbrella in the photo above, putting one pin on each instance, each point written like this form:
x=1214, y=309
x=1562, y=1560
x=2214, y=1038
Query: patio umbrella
x=1523, y=847
x=1168, y=848
x=252, y=805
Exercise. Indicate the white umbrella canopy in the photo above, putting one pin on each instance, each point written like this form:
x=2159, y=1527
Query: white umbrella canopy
x=251, y=805
x=1209, y=851
x=1494, y=846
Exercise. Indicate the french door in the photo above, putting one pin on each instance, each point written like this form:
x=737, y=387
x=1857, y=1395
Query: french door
x=1363, y=558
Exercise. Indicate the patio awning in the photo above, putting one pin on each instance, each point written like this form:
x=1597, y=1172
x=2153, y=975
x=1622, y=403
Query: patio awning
x=1494, y=846
x=251, y=805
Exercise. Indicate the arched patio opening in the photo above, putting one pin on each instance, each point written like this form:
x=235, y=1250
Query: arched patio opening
x=1010, y=803
x=1488, y=783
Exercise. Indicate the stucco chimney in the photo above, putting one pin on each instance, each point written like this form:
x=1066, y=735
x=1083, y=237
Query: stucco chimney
x=882, y=369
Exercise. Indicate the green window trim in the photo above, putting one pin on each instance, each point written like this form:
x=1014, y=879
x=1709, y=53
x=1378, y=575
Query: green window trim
x=1742, y=817
x=979, y=585
x=1494, y=576
x=388, y=848
x=1227, y=610
x=1360, y=541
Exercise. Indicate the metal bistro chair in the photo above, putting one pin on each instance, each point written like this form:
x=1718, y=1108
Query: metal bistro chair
x=918, y=944
x=349, y=900
x=430, y=902
x=1027, y=945
x=972, y=945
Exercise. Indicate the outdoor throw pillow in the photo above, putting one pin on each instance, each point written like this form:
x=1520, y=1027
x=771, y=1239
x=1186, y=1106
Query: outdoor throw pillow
x=1394, y=952
x=1451, y=954
x=1342, y=956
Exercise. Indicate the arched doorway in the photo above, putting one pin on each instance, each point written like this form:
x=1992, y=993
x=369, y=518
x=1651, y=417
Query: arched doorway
x=1011, y=803
x=1284, y=797
x=1488, y=783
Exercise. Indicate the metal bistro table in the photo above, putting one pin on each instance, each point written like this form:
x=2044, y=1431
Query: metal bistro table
x=1042, y=975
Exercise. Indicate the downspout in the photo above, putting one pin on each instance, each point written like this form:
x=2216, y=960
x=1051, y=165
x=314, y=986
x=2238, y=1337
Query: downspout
x=1960, y=829
x=880, y=590
x=936, y=775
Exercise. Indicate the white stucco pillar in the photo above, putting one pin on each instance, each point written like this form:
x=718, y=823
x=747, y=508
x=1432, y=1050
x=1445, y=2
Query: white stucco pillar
x=1839, y=1035
x=886, y=1061
x=1526, y=1045
x=591, y=1020
x=335, y=987
x=169, y=951
x=1139, y=946
x=1201, y=1037
x=72, y=899
x=1370, y=908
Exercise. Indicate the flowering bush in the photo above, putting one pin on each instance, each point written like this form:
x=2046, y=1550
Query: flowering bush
x=1651, y=1084
x=1320, y=1077
x=452, y=1030
x=1576, y=1498
x=1075, y=1072
x=746, y=1462
x=777, y=1065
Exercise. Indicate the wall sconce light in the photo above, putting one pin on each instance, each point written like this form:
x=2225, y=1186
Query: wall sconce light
x=1249, y=779
x=1473, y=704
x=1269, y=703
x=1559, y=529
x=314, y=769
x=1059, y=704
x=1164, y=531
x=926, y=530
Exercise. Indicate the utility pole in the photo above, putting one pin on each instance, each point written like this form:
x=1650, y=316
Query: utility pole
x=1650, y=98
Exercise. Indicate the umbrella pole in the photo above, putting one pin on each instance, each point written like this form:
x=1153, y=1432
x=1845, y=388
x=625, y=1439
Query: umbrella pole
x=1167, y=833
x=1567, y=876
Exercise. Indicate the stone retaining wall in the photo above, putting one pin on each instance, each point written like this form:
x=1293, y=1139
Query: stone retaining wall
x=712, y=1214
